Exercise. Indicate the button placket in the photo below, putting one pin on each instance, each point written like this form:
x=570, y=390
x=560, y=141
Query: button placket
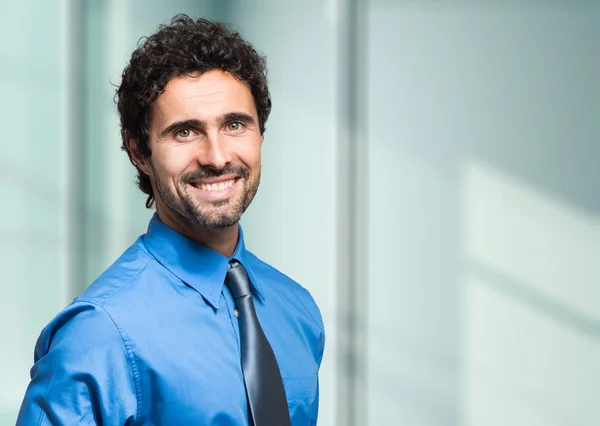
x=232, y=312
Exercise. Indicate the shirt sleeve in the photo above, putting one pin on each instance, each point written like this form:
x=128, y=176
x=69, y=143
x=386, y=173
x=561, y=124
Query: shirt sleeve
x=83, y=374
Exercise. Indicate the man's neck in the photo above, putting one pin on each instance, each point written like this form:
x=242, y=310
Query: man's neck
x=223, y=241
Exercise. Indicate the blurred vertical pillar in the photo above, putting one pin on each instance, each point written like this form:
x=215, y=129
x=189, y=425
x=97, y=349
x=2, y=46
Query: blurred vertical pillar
x=108, y=190
x=415, y=329
x=71, y=147
x=352, y=249
x=118, y=173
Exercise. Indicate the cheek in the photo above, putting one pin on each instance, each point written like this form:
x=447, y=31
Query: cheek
x=172, y=163
x=250, y=156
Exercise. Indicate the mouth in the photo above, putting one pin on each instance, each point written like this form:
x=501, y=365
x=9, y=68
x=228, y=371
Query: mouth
x=216, y=186
x=215, y=189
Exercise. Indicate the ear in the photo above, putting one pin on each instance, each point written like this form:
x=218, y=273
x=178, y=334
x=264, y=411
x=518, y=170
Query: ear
x=142, y=162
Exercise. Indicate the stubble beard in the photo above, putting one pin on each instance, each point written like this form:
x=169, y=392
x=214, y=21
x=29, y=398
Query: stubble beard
x=211, y=215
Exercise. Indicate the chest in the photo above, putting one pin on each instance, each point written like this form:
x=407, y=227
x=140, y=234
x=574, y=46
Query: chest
x=190, y=371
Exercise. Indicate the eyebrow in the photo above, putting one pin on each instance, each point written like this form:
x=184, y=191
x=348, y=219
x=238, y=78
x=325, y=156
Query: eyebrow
x=201, y=125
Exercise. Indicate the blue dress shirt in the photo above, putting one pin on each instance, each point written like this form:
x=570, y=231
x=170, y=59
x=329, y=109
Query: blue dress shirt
x=155, y=341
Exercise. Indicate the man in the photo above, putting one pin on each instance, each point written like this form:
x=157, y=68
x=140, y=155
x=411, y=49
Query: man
x=187, y=327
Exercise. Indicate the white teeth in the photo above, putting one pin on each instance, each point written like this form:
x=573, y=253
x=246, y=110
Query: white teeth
x=216, y=187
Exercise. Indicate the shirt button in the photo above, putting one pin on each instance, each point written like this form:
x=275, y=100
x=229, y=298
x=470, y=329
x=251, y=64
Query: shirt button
x=236, y=313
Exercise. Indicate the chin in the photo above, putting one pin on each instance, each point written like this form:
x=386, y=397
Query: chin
x=216, y=220
x=217, y=224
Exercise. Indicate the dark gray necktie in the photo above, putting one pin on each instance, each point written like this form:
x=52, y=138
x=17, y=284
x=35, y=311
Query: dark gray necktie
x=264, y=388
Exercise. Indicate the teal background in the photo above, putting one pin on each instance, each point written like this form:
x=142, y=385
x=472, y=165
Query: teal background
x=433, y=164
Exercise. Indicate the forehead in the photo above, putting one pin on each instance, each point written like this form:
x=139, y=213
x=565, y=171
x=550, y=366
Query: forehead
x=203, y=97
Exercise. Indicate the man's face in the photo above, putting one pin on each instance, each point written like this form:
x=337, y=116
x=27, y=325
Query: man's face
x=205, y=142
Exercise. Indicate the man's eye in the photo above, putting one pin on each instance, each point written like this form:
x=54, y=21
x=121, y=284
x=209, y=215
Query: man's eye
x=184, y=133
x=234, y=126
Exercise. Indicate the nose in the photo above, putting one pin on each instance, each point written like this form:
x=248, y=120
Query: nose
x=215, y=152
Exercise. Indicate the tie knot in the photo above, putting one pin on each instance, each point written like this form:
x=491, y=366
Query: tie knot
x=237, y=279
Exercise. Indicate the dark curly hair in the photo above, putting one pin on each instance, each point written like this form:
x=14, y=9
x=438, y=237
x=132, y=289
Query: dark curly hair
x=183, y=47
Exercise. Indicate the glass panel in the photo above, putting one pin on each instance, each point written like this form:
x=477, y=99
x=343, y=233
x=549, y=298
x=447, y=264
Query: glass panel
x=483, y=158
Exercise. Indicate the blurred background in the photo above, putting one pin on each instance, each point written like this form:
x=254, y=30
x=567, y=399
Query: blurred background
x=435, y=165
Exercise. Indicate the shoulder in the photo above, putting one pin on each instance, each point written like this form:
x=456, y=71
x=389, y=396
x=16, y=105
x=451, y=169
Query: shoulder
x=103, y=308
x=273, y=280
x=132, y=275
x=88, y=313
x=81, y=325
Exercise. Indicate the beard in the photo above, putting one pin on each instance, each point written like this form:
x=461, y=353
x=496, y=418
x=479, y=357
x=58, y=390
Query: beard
x=208, y=214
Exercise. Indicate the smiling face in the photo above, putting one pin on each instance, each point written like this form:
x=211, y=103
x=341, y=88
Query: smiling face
x=205, y=142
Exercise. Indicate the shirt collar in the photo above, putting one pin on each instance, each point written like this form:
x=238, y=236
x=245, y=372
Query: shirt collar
x=196, y=265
